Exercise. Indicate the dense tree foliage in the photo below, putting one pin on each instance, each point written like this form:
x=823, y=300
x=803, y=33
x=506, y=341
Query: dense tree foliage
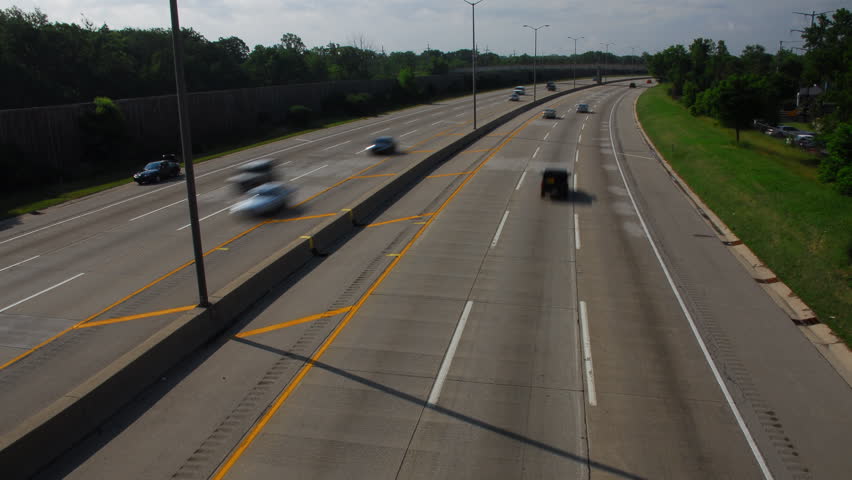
x=45, y=63
x=756, y=85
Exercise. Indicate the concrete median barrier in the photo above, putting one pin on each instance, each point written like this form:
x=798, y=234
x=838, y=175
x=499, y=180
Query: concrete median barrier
x=40, y=439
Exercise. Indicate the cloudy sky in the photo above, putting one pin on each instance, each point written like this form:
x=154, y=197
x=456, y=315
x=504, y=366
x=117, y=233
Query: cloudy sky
x=397, y=25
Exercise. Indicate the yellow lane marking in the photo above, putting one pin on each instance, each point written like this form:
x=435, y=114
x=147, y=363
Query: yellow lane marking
x=398, y=220
x=224, y=249
x=376, y=175
x=285, y=394
x=393, y=254
x=448, y=174
x=135, y=317
x=282, y=220
x=420, y=223
x=309, y=318
x=178, y=269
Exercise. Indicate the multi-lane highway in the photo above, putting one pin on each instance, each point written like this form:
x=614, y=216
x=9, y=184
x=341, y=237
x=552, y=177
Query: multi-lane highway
x=478, y=330
x=71, y=271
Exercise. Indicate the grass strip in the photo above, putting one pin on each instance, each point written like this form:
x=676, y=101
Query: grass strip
x=768, y=195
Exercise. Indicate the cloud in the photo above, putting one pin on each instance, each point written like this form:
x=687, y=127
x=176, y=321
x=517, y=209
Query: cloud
x=399, y=25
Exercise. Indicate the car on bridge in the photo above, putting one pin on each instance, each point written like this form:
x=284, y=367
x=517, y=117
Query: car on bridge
x=386, y=145
x=264, y=199
x=155, y=172
x=253, y=174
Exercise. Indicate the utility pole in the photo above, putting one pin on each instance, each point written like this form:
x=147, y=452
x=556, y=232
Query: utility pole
x=574, y=63
x=813, y=14
x=606, y=60
x=535, y=54
x=473, y=53
x=186, y=150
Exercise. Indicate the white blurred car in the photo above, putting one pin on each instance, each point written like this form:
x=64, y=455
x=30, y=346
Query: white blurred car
x=264, y=199
x=549, y=113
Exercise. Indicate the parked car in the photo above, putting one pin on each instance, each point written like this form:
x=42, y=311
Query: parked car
x=555, y=182
x=155, y=172
x=264, y=199
x=385, y=145
x=549, y=113
x=583, y=108
x=805, y=140
x=514, y=97
x=786, y=131
x=253, y=174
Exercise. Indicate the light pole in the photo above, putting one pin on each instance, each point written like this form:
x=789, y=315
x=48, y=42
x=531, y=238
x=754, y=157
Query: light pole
x=535, y=52
x=574, y=63
x=186, y=150
x=633, y=59
x=473, y=53
x=606, y=60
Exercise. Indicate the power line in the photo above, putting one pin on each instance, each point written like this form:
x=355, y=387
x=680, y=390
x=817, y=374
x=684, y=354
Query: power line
x=813, y=15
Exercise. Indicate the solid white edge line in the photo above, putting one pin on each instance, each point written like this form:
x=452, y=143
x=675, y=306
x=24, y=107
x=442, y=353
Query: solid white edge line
x=577, y=156
x=41, y=292
x=580, y=139
x=306, y=174
x=577, y=231
x=448, y=357
x=518, y=186
x=15, y=265
x=499, y=230
x=587, y=355
x=734, y=409
x=536, y=151
x=205, y=218
x=157, y=210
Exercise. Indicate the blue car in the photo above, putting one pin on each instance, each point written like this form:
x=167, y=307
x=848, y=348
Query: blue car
x=385, y=145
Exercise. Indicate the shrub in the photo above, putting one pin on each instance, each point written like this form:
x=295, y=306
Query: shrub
x=299, y=115
x=843, y=183
x=359, y=103
x=104, y=130
x=839, y=146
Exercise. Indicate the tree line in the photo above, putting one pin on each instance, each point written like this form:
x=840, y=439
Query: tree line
x=710, y=81
x=48, y=63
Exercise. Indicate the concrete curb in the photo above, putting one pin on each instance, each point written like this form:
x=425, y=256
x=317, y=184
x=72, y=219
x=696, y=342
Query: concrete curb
x=40, y=439
x=827, y=343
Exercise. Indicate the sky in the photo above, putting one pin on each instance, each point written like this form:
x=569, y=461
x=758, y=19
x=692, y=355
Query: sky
x=415, y=25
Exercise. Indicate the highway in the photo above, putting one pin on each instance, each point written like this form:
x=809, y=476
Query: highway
x=478, y=330
x=70, y=272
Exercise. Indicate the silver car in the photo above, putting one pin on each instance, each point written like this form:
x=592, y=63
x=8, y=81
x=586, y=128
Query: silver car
x=582, y=108
x=264, y=199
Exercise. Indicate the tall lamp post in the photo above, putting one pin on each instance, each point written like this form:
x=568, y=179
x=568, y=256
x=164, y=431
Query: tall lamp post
x=574, y=63
x=606, y=60
x=186, y=150
x=535, y=53
x=473, y=53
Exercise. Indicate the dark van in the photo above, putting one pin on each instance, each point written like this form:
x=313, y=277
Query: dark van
x=555, y=182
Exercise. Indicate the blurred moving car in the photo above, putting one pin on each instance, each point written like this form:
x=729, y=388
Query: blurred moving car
x=514, y=97
x=632, y=85
x=549, y=113
x=253, y=174
x=582, y=108
x=385, y=145
x=264, y=199
x=555, y=182
x=551, y=86
x=521, y=90
x=154, y=172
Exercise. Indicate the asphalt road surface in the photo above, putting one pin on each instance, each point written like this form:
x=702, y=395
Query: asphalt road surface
x=480, y=330
x=67, y=273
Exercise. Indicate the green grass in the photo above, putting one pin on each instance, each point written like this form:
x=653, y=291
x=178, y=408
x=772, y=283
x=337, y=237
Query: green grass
x=768, y=194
